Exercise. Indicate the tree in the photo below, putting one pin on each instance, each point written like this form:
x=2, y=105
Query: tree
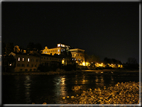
x=9, y=48
x=8, y=63
x=131, y=64
x=131, y=61
x=38, y=47
x=92, y=58
x=30, y=47
x=113, y=61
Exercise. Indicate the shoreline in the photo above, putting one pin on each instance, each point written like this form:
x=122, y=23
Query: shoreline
x=69, y=72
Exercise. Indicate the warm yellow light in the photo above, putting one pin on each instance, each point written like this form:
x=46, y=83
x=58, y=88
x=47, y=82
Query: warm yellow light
x=83, y=63
x=63, y=61
x=118, y=65
x=87, y=64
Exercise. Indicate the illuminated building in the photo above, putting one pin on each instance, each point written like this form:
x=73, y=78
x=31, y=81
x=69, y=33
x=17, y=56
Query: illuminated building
x=78, y=55
x=26, y=62
x=63, y=45
x=60, y=48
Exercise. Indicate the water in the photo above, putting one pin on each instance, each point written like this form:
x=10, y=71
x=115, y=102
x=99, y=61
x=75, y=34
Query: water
x=28, y=89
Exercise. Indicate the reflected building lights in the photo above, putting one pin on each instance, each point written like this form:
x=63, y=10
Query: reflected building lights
x=27, y=88
x=60, y=89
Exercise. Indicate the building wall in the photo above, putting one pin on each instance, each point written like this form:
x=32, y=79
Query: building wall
x=78, y=55
x=31, y=63
x=26, y=63
x=52, y=51
x=49, y=59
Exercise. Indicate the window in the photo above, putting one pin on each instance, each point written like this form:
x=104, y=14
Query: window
x=23, y=65
x=58, y=50
x=20, y=69
x=36, y=60
x=46, y=58
x=27, y=65
x=32, y=65
x=35, y=65
x=18, y=58
x=28, y=59
x=22, y=59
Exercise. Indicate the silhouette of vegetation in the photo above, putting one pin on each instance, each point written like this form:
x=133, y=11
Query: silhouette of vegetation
x=8, y=63
x=92, y=58
x=9, y=47
x=131, y=64
x=113, y=61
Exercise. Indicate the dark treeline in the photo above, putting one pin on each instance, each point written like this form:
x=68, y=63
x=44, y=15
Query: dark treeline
x=9, y=47
x=131, y=64
x=111, y=60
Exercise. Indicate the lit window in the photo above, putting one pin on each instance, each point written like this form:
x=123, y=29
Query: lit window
x=22, y=59
x=58, y=45
x=28, y=59
x=58, y=50
x=10, y=64
x=18, y=58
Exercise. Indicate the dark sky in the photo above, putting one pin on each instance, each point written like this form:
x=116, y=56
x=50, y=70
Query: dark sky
x=104, y=29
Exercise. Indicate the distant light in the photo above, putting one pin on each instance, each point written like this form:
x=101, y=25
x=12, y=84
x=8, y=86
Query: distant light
x=10, y=64
x=18, y=58
x=58, y=45
x=28, y=59
x=83, y=63
x=22, y=59
x=58, y=50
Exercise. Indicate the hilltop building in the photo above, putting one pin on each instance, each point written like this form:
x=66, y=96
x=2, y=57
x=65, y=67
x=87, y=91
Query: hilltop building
x=78, y=55
x=60, y=48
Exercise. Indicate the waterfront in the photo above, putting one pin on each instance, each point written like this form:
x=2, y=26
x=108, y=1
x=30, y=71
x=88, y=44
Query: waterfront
x=58, y=89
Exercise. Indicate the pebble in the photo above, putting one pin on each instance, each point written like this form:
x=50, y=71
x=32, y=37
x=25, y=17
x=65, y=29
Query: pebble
x=121, y=93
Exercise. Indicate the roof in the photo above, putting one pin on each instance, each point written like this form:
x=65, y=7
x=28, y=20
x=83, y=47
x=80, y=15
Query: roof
x=76, y=50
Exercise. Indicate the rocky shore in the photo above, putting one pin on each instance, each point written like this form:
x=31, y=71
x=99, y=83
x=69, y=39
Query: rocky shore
x=121, y=93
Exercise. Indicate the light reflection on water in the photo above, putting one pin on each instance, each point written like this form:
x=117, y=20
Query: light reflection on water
x=27, y=84
x=51, y=89
x=99, y=81
x=60, y=87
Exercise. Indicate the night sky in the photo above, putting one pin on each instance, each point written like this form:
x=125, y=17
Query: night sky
x=104, y=29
